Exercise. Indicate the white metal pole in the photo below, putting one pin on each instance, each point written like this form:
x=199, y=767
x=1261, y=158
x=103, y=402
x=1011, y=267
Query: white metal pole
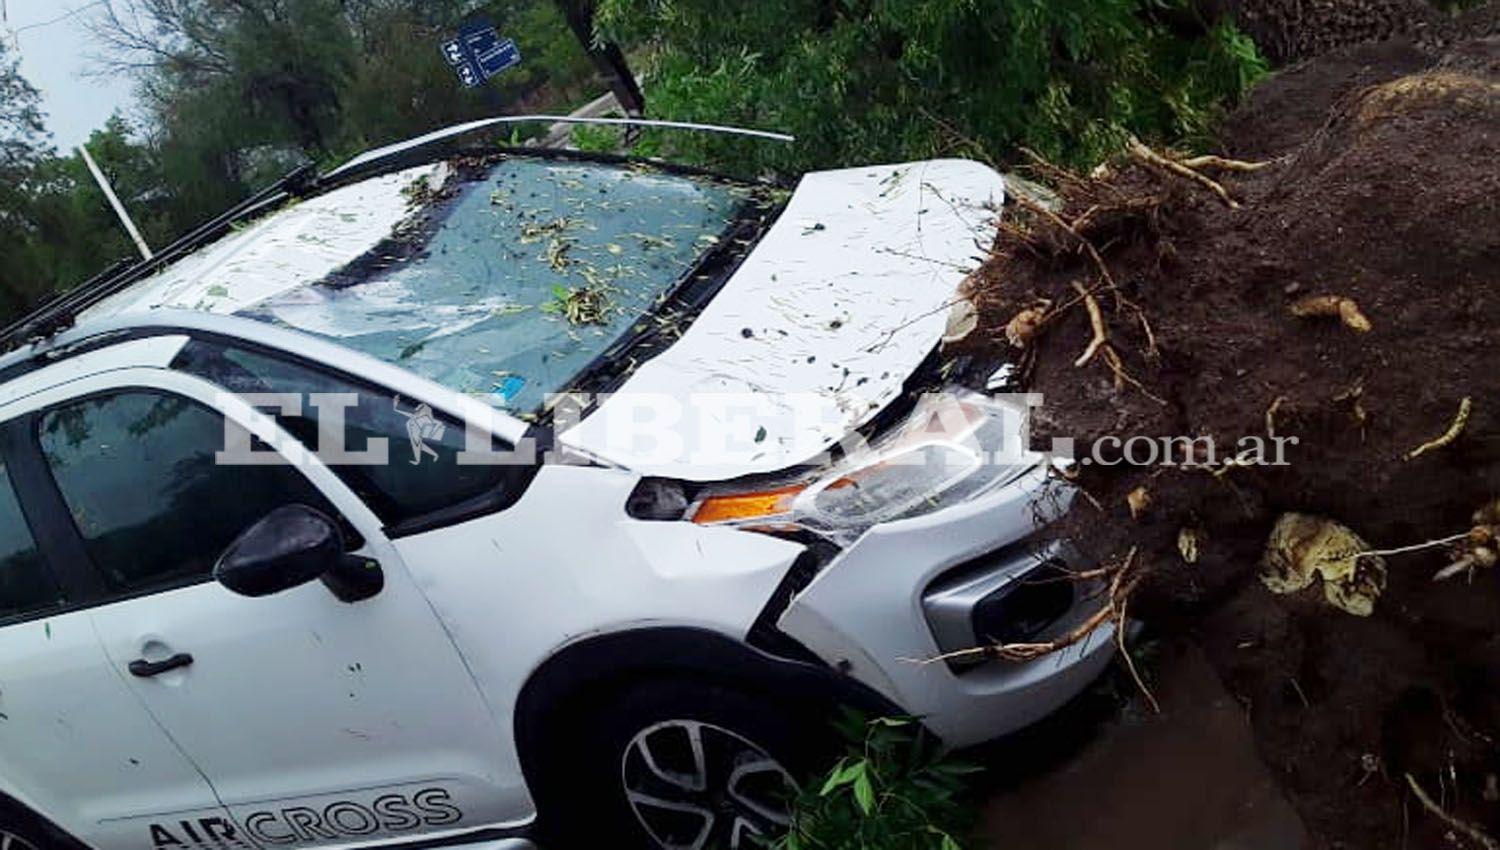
x=109, y=193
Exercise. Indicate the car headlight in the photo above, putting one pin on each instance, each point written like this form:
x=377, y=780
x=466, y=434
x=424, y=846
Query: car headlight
x=953, y=447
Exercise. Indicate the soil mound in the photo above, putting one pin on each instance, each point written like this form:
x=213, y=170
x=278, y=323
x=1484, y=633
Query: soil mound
x=1344, y=295
x=1277, y=116
x=1289, y=30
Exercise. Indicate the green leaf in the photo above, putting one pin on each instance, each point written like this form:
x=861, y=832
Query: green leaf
x=864, y=792
x=957, y=768
x=838, y=776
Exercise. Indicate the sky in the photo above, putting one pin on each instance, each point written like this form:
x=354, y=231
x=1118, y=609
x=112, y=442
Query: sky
x=54, y=50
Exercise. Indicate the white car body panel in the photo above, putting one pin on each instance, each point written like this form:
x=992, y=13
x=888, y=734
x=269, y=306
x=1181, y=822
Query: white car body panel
x=329, y=696
x=843, y=297
x=293, y=248
x=566, y=563
x=296, y=701
x=78, y=746
x=155, y=351
x=851, y=616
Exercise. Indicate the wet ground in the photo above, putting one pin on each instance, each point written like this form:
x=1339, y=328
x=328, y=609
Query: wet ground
x=1096, y=775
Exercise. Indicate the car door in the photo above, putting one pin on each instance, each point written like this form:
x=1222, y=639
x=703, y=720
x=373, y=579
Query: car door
x=316, y=721
x=76, y=745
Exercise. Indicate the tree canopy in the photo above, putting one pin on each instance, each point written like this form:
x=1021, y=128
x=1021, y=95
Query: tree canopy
x=871, y=80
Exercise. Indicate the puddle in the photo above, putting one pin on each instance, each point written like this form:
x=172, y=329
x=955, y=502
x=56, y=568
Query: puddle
x=1094, y=776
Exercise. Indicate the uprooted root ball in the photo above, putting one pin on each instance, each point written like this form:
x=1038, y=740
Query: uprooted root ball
x=1346, y=300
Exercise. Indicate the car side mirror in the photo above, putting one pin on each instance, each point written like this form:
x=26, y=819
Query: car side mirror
x=290, y=547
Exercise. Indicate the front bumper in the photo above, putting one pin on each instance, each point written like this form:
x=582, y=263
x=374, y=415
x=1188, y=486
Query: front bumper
x=864, y=615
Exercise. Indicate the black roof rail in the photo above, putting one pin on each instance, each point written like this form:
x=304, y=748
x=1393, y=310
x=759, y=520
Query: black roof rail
x=58, y=313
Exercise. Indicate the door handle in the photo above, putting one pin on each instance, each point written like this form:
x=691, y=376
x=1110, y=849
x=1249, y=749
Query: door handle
x=146, y=669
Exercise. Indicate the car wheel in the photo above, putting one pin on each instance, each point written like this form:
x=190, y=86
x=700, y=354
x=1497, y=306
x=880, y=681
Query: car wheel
x=672, y=765
x=13, y=839
x=21, y=831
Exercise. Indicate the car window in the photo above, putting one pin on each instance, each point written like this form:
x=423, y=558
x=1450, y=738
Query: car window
x=26, y=585
x=421, y=474
x=138, y=473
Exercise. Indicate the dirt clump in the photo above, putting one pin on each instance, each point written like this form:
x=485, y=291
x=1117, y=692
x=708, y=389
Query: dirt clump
x=1344, y=295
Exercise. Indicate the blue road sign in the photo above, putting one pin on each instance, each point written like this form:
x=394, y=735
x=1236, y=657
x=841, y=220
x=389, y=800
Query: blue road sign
x=503, y=55
x=454, y=53
x=479, y=53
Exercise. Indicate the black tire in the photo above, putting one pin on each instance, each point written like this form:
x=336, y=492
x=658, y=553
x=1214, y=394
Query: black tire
x=27, y=831
x=586, y=804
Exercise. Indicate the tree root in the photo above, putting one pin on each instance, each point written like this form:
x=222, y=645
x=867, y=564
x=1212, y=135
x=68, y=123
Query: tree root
x=1129, y=205
x=1122, y=377
x=1151, y=158
x=1462, y=419
x=1470, y=550
x=1476, y=550
x=1415, y=547
x=1355, y=395
x=1271, y=415
x=1087, y=246
x=1334, y=306
x=1188, y=543
x=1473, y=832
x=1096, y=321
x=1048, y=170
x=1028, y=324
x=1211, y=161
x=1025, y=325
x=1112, y=611
x=1130, y=661
x=1139, y=501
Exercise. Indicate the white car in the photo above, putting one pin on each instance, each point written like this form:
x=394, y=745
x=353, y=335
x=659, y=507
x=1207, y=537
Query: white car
x=278, y=571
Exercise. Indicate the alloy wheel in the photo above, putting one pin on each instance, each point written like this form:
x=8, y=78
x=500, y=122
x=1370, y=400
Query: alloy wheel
x=695, y=786
x=11, y=841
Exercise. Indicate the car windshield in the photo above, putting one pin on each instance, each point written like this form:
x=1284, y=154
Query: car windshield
x=511, y=277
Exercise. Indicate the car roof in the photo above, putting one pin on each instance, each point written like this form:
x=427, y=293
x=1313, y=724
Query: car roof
x=299, y=243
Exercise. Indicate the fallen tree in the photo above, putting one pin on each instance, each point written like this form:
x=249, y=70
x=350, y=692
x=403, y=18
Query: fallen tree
x=1336, y=291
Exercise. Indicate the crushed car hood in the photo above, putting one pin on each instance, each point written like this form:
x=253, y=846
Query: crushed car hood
x=844, y=297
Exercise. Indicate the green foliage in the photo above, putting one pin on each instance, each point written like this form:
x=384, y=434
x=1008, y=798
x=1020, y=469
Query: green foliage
x=22, y=137
x=58, y=223
x=893, y=791
x=887, y=80
x=590, y=304
x=76, y=231
x=329, y=77
x=592, y=138
x=23, y=144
